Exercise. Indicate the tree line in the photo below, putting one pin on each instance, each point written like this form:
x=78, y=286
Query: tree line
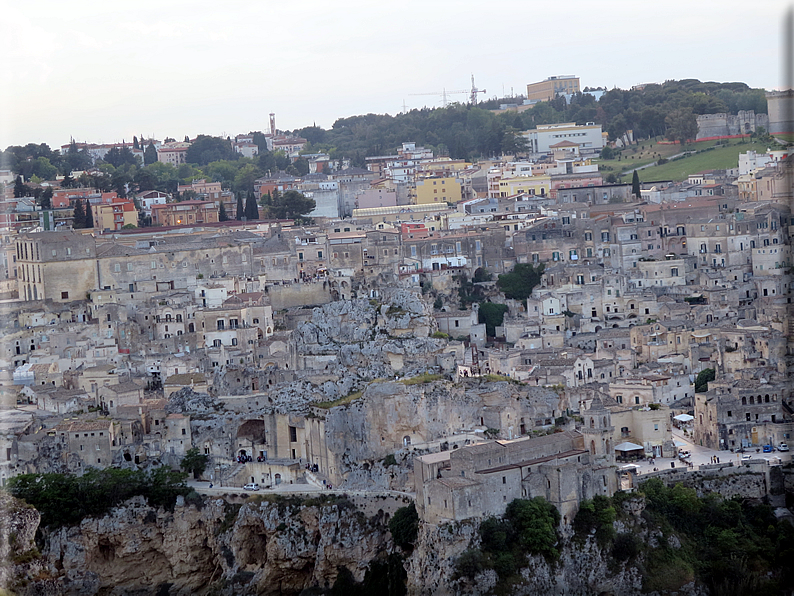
x=461, y=131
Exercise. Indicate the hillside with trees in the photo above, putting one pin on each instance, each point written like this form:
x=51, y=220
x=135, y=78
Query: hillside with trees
x=461, y=131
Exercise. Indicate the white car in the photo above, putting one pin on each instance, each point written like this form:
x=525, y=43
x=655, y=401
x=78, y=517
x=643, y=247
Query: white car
x=251, y=486
x=782, y=447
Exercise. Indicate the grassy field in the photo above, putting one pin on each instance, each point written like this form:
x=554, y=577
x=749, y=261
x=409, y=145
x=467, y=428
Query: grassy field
x=643, y=153
x=720, y=158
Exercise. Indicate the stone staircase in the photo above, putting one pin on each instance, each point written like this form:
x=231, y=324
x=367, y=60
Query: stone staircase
x=230, y=476
x=314, y=478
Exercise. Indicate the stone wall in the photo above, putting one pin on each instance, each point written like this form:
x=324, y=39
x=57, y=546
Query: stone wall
x=300, y=294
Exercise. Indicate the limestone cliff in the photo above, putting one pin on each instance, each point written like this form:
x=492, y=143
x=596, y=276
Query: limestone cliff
x=257, y=547
x=260, y=546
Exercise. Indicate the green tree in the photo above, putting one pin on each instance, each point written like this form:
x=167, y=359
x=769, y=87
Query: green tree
x=222, y=216
x=404, y=526
x=251, y=208
x=150, y=154
x=289, y=205
x=68, y=181
x=135, y=143
x=194, y=462
x=20, y=188
x=518, y=284
x=89, y=215
x=492, y=315
x=64, y=499
x=46, y=198
x=481, y=275
x=245, y=177
x=703, y=378
x=682, y=125
x=78, y=221
x=239, y=211
x=607, y=153
x=514, y=142
x=206, y=149
x=535, y=522
x=118, y=157
x=635, y=185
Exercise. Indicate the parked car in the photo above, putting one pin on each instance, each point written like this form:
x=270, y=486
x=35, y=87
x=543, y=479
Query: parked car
x=768, y=449
x=251, y=486
x=782, y=447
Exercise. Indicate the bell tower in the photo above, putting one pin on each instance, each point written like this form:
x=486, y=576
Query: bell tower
x=598, y=432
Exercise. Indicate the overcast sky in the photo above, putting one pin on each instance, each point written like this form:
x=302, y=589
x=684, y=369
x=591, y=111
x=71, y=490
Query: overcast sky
x=105, y=71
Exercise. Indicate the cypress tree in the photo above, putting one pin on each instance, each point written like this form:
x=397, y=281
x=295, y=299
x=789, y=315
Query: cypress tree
x=89, y=215
x=79, y=215
x=251, y=208
x=239, y=214
x=222, y=216
x=19, y=188
x=635, y=184
x=150, y=154
x=135, y=143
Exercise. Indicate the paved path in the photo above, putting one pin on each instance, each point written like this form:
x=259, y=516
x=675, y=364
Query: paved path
x=702, y=456
x=653, y=163
x=203, y=488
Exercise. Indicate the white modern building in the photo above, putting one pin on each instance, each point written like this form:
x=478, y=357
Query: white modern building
x=589, y=137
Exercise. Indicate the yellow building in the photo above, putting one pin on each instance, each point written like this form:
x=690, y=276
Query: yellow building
x=551, y=87
x=437, y=190
x=530, y=185
x=115, y=215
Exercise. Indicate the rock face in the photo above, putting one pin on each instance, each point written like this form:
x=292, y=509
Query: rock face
x=18, y=555
x=367, y=430
x=258, y=547
x=292, y=547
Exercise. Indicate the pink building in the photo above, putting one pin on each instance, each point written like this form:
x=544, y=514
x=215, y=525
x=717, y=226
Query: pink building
x=376, y=197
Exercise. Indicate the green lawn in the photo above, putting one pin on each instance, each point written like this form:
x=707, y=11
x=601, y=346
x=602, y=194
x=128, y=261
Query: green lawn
x=643, y=153
x=720, y=158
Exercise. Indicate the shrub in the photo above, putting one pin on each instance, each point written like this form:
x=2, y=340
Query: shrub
x=470, y=563
x=65, y=499
x=404, y=526
x=625, y=547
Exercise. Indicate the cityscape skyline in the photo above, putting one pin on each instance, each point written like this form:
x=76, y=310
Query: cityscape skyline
x=70, y=70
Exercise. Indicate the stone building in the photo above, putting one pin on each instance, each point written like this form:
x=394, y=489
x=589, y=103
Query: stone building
x=480, y=480
x=89, y=443
x=729, y=125
x=742, y=413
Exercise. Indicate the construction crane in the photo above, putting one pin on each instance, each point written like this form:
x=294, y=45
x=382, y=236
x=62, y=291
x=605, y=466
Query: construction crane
x=443, y=94
x=472, y=93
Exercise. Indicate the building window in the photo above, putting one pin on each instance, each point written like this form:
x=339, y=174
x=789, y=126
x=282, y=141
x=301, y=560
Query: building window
x=64, y=295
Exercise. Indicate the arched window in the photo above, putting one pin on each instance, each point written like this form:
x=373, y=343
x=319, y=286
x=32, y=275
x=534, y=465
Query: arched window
x=744, y=400
x=179, y=318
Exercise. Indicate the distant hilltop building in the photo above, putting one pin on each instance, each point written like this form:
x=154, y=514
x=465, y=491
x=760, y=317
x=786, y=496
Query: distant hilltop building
x=727, y=125
x=553, y=86
x=780, y=105
x=589, y=138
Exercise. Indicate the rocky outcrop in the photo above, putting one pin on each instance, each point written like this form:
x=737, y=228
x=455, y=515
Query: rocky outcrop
x=260, y=547
x=366, y=431
x=19, y=558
